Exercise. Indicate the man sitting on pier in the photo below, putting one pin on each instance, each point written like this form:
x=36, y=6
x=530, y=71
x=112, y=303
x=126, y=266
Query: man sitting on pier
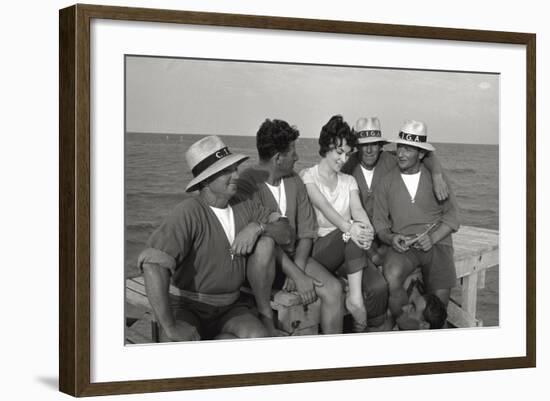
x=195, y=262
x=409, y=218
x=274, y=184
x=369, y=165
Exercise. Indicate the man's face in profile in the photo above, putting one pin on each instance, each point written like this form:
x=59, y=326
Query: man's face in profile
x=412, y=317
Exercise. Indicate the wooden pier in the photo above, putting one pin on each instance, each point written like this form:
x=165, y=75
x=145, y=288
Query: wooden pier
x=476, y=250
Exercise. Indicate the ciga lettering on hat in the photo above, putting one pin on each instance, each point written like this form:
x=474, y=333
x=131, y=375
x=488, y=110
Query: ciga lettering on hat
x=367, y=130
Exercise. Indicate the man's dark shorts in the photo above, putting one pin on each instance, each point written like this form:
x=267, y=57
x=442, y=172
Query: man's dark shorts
x=208, y=320
x=438, y=266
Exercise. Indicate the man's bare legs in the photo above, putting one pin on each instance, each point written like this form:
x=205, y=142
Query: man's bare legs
x=396, y=269
x=260, y=271
x=331, y=295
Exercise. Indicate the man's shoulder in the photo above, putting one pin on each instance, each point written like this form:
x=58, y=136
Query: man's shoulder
x=187, y=205
x=391, y=172
x=253, y=174
x=295, y=186
x=387, y=161
x=293, y=178
x=352, y=164
x=184, y=212
x=389, y=177
x=249, y=181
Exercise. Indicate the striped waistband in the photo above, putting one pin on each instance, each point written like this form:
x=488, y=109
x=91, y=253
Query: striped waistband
x=210, y=299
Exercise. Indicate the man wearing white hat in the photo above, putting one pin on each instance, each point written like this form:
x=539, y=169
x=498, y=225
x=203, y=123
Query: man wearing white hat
x=195, y=262
x=370, y=163
x=414, y=223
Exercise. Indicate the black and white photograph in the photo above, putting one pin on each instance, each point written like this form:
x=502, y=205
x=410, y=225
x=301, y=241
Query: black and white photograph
x=277, y=199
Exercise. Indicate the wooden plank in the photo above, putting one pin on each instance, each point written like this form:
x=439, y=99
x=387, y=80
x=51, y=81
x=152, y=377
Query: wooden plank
x=140, y=331
x=137, y=298
x=469, y=294
x=294, y=320
x=460, y=318
x=481, y=279
x=476, y=262
x=136, y=285
x=472, y=240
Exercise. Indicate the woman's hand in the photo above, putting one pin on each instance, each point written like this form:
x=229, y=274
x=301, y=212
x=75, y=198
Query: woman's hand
x=362, y=234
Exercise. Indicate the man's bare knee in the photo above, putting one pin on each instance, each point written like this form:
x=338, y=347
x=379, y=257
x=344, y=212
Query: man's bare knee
x=332, y=290
x=262, y=257
x=257, y=331
x=264, y=249
x=394, y=276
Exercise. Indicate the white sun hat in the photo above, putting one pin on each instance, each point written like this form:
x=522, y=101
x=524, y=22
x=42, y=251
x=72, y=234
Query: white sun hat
x=414, y=133
x=367, y=130
x=207, y=157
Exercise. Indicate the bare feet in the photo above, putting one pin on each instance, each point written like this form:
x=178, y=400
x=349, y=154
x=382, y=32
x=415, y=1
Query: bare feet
x=269, y=324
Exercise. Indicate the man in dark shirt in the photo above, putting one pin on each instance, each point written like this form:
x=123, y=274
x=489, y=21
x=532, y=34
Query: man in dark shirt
x=414, y=223
x=274, y=184
x=195, y=261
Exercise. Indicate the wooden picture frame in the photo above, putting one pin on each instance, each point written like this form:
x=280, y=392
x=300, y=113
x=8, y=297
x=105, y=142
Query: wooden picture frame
x=75, y=210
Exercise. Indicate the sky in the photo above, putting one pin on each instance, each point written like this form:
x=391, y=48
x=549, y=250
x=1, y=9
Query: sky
x=214, y=97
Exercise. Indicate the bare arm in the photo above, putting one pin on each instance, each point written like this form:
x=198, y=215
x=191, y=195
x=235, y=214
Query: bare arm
x=357, y=211
x=320, y=202
x=157, y=281
x=305, y=285
x=303, y=249
x=440, y=232
x=385, y=236
x=277, y=228
x=439, y=180
x=425, y=243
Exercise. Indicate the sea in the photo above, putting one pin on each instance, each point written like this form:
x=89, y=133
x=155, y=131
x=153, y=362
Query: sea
x=156, y=175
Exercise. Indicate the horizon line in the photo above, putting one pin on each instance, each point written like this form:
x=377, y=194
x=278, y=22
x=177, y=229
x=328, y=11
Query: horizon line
x=305, y=137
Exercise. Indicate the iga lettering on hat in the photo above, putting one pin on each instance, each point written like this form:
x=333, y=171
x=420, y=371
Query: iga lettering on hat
x=414, y=133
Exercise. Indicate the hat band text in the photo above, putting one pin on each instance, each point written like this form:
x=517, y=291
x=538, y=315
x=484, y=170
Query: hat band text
x=412, y=137
x=369, y=134
x=210, y=160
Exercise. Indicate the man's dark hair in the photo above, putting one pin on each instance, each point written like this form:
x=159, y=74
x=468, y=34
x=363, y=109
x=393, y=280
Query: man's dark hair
x=436, y=312
x=333, y=133
x=274, y=136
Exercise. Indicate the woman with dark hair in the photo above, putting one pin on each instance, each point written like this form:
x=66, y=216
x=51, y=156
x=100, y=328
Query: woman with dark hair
x=345, y=232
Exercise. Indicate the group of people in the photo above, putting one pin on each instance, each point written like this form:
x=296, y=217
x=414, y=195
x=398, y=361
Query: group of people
x=366, y=231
